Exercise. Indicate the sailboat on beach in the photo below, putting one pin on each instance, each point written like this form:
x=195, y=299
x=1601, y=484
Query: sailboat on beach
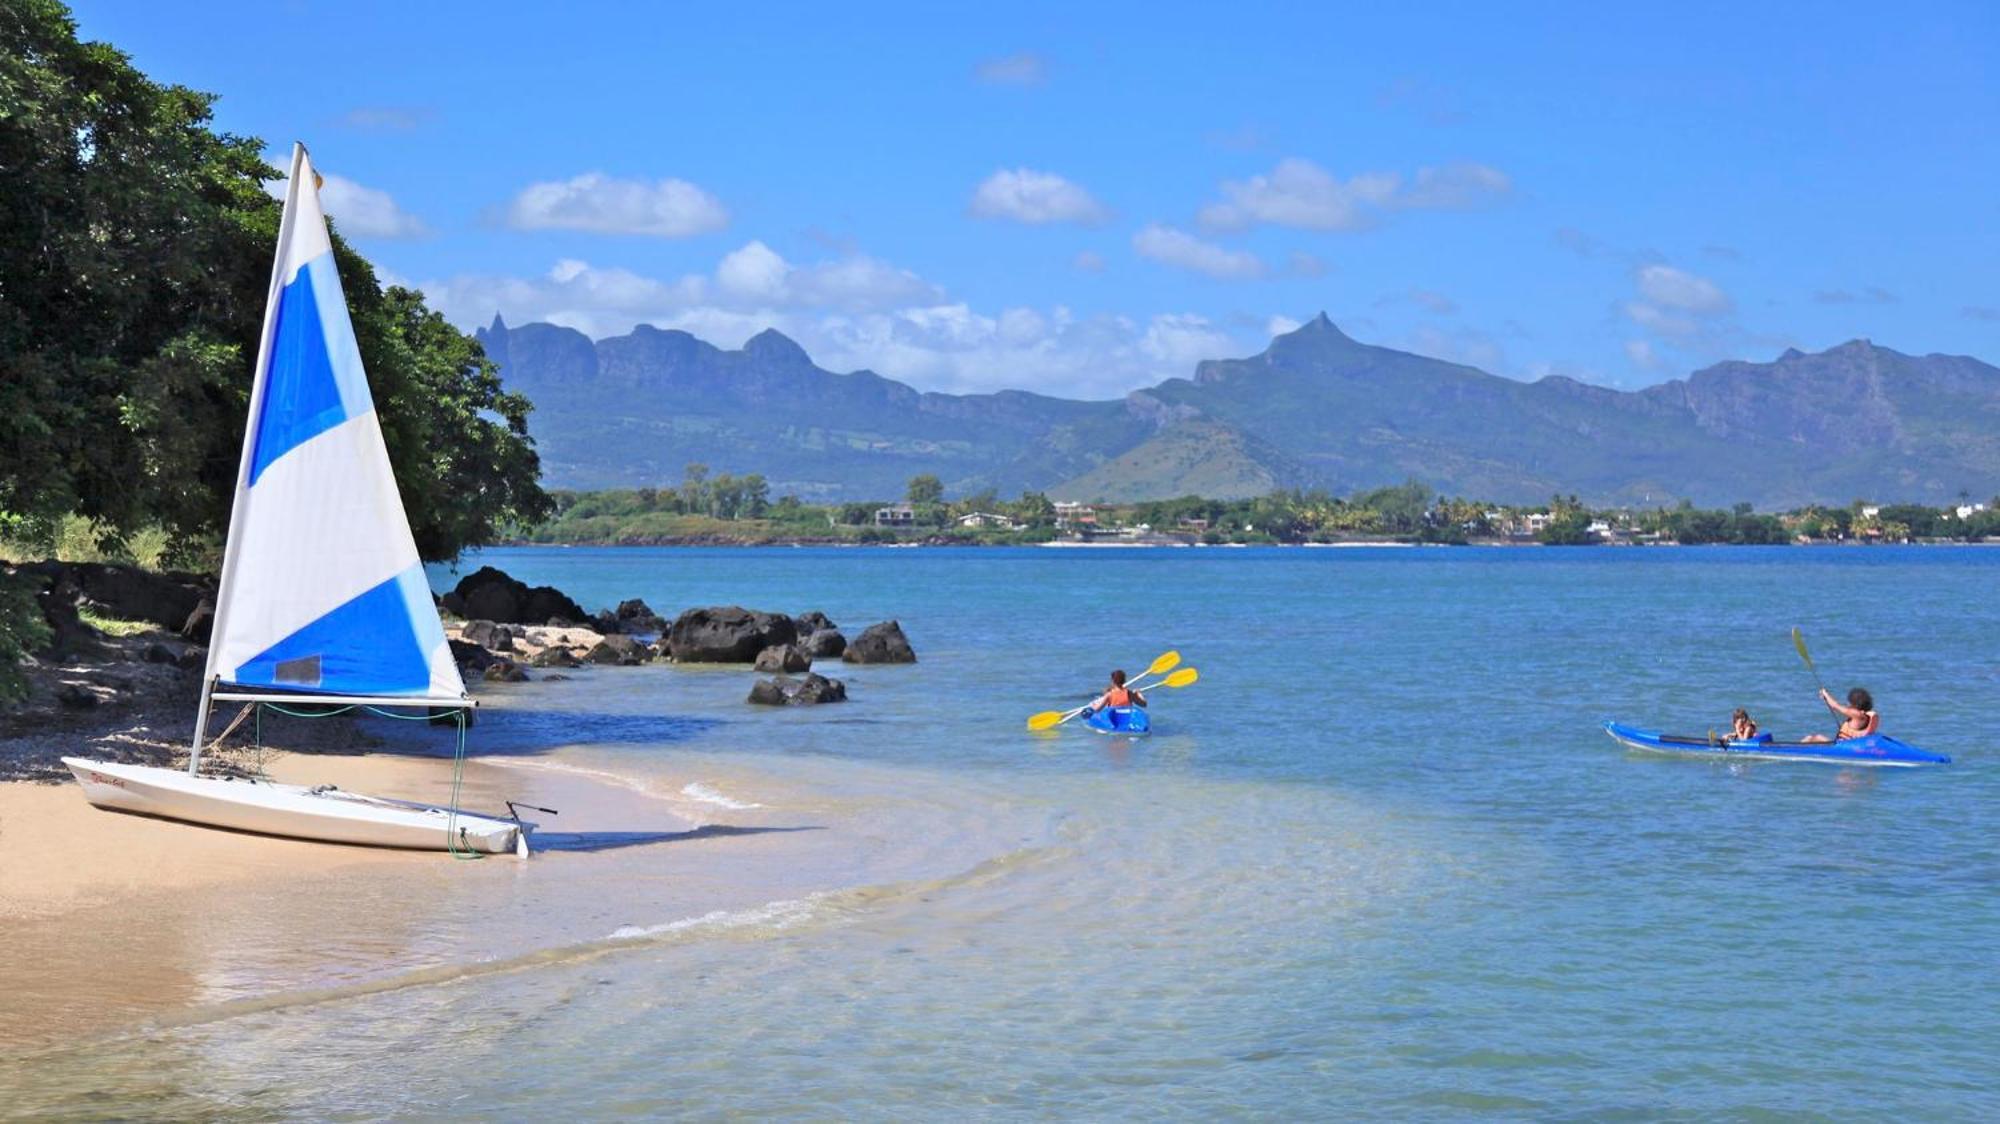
x=322, y=598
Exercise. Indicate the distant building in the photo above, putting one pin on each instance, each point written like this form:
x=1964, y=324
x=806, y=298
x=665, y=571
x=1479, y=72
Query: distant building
x=988, y=519
x=896, y=515
x=1968, y=510
x=1190, y=523
x=1075, y=515
x=1871, y=511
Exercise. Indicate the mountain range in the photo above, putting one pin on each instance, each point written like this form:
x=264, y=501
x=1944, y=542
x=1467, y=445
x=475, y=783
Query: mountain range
x=1314, y=409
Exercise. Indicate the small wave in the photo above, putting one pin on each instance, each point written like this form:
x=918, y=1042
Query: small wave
x=770, y=915
x=707, y=795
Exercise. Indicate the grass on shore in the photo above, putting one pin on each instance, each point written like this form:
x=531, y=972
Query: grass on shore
x=112, y=626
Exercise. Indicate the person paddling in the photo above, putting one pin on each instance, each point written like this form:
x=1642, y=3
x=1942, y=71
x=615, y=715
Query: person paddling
x=1118, y=695
x=1858, y=718
x=1742, y=727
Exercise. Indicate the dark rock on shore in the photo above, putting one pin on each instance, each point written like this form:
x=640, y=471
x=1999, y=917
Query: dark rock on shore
x=620, y=650
x=636, y=618
x=783, y=657
x=881, y=643
x=555, y=656
x=471, y=657
x=810, y=691
x=488, y=635
x=727, y=634
x=827, y=643
x=489, y=594
x=809, y=623
x=505, y=671
x=129, y=593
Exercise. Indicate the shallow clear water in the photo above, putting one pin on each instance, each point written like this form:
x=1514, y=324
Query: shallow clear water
x=1380, y=862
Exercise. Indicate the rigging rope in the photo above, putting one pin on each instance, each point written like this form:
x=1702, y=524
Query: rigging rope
x=452, y=842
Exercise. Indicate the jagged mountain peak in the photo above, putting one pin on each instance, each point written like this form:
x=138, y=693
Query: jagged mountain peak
x=1316, y=407
x=774, y=346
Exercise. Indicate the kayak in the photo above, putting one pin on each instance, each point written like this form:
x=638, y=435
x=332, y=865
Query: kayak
x=1120, y=720
x=1875, y=749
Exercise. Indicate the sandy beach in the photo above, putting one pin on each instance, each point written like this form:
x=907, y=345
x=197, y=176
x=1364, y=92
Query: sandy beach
x=114, y=920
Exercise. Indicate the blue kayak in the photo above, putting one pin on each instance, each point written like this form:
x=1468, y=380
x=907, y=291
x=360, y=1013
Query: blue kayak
x=1119, y=720
x=1875, y=749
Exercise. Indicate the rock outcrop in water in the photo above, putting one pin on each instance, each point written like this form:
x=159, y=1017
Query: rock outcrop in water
x=727, y=634
x=881, y=643
x=783, y=657
x=810, y=691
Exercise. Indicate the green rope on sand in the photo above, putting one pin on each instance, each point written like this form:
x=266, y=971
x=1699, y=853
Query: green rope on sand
x=451, y=841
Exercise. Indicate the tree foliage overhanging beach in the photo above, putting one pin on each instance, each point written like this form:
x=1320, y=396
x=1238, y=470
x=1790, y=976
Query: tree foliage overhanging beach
x=135, y=251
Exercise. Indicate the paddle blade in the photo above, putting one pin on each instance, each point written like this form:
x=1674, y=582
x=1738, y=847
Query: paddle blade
x=1180, y=678
x=1045, y=720
x=1799, y=642
x=1167, y=662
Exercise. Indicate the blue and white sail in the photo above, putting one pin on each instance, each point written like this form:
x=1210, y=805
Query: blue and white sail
x=322, y=591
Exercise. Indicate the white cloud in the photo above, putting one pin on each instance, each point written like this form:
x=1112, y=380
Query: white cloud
x=1299, y=193
x=1024, y=68
x=1090, y=261
x=1281, y=325
x=360, y=212
x=1455, y=187
x=1678, y=289
x=1433, y=302
x=855, y=312
x=1182, y=250
x=668, y=208
x=1642, y=355
x=1036, y=198
x=1178, y=342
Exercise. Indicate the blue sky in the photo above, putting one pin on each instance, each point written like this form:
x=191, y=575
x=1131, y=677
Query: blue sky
x=1085, y=201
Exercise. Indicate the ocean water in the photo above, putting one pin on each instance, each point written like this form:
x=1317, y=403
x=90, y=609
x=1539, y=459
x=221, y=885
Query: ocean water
x=1380, y=862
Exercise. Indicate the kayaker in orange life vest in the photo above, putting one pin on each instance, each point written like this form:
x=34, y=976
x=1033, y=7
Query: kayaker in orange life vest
x=1857, y=719
x=1118, y=695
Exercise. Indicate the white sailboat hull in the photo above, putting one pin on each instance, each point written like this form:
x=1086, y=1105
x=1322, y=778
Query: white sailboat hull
x=325, y=814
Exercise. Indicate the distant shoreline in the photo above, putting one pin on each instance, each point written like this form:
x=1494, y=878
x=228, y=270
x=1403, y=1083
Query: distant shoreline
x=1126, y=544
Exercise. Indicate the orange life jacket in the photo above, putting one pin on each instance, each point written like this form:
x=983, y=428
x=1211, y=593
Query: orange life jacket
x=1118, y=696
x=1870, y=722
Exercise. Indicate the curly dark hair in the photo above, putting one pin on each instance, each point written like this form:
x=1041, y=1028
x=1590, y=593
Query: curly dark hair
x=1860, y=699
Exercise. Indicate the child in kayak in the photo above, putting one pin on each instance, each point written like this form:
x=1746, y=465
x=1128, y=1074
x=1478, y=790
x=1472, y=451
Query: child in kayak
x=1741, y=728
x=1118, y=695
x=1857, y=719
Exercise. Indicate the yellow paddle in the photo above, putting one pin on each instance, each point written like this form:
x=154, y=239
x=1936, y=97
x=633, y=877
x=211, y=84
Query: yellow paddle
x=1184, y=677
x=1048, y=718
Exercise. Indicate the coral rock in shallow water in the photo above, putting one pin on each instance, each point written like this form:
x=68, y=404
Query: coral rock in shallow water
x=727, y=634
x=785, y=691
x=827, y=643
x=881, y=643
x=783, y=657
x=621, y=650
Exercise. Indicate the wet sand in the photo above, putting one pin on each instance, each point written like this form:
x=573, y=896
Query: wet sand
x=112, y=920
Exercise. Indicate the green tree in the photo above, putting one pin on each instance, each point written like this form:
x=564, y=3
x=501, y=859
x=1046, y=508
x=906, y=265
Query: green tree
x=1035, y=509
x=135, y=250
x=694, y=488
x=924, y=489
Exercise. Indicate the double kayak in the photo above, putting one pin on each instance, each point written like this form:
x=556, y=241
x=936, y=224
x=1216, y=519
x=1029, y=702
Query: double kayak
x=1875, y=749
x=1119, y=720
